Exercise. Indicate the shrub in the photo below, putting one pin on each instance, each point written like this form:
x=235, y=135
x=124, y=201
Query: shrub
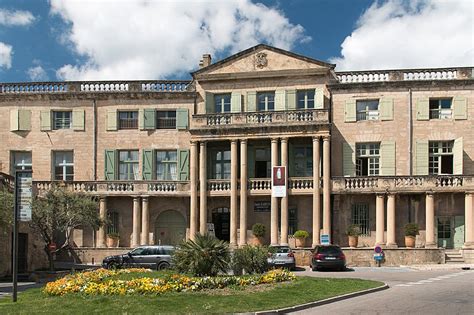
x=301, y=234
x=113, y=235
x=205, y=256
x=258, y=230
x=353, y=230
x=251, y=259
x=412, y=229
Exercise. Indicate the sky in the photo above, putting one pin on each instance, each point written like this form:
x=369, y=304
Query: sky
x=60, y=40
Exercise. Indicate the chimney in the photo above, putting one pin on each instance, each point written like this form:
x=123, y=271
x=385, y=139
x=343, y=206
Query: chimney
x=205, y=61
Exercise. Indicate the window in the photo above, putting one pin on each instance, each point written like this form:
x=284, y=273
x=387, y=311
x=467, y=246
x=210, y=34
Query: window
x=113, y=226
x=367, y=110
x=440, y=157
x=128, y=120
x=444, y=227
x=220, y=164
x=303, y=161
x=266, y=101
x=263, y=165
x=166, y=165
x=292, y=221
x=440, y=108
x=367, y=159
x=63, y=165
x=222, y=103
x=61, y=120
x=166, y=119
x=305, y=99
x=21, y=161
x=360, y=216
x=128, y=165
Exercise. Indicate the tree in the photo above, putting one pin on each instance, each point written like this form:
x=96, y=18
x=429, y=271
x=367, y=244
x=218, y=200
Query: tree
x=59, y=212
x=6, y=208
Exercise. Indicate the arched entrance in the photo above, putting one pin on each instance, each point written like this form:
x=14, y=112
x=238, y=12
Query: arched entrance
x=221, y=221
x=170, y=228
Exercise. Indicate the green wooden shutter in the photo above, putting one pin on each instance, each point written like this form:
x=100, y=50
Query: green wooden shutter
x=387, y=158
x=148, y=164
x=183, y=165
x=149, y=118
x=421, y=157
x=78, y=119
x=110, y=161
x=280, y=99
x=24, y=120
x=350, y=111
x=348, y=159
x=423, y=109
x=236, y=102
x=209, y=100
x=460, y=107
x=291, y=160
x=386, y=109
x=251, y=101
x=45, y=120
x=182, y=118
x=291, y=99
x=251, y=161
x=141, y=119
x=14, y=120
x=111, y=119
x=319, y=98
x=458, y=152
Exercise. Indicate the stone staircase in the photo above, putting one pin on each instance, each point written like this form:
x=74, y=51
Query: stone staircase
x=454, y=256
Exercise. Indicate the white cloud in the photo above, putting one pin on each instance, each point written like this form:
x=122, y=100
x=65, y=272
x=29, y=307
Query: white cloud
x=6, y=53
x=37, y=73
x=400, y=34
x=155, y=39
x=16, y=18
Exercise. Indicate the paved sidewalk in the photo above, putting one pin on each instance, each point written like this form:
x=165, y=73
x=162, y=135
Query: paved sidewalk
x=441, y=267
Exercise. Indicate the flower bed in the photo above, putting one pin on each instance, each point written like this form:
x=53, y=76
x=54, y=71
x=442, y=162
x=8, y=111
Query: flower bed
x=97, y=282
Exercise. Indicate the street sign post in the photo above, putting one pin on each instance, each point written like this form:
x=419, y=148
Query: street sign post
x=378, y=255
x=325, y=239
x=279, y=181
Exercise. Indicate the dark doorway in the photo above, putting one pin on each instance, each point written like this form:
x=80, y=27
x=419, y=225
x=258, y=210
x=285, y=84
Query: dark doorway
x=221, y=221
x=22, y=252
x=261, y=169
x=447, y=164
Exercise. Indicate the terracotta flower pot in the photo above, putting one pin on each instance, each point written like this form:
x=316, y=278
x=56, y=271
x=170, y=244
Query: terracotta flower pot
x=353, y=241
x=258, y=240
x=112, y=242
x=300, y=242
x=410, y=241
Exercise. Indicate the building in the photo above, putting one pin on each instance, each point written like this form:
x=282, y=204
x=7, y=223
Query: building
x=391, y=146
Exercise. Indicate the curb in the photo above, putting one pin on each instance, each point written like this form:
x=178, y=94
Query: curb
x=323, y=302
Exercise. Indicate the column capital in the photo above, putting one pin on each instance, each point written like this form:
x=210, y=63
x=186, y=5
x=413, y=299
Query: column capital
x=469, y=193
x=145, y=198
x=316, y=138
x=245, y=140
x=284, y=139
x=194, y=142
x=380, y=195
x=273, y=140
x=102, y=198
x=136, y=199
x=203, y=143
x=234, y=141
x=326, y=137
x=429, y=193
x=391, y=194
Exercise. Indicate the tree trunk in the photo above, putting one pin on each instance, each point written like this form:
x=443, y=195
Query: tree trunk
x=50, y=258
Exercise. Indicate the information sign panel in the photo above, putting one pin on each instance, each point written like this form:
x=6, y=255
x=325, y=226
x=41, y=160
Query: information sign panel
x=279, y=181
x=325, y=239
x=23, y=186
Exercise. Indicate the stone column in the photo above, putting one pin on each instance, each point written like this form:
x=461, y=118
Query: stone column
x=193, y=211
x=379, y=219
x=469, y=219
x=274, y=200
x=284, y=200
x=136, y=222
x=430, y=221
x=391, y=226
x=243, y=192
x=145, y=222
x=234, y=160
x=316, y=192
x=202, y=187
x=101, y=235
x=326, y=187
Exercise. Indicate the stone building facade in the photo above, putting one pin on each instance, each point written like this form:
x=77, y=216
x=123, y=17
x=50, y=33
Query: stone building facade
x=168, y=158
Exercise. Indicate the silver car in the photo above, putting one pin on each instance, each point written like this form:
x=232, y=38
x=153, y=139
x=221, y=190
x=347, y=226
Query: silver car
x=154, y=257
x=281, y=257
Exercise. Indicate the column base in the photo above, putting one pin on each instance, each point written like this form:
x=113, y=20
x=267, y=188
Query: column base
x=468, y=245
x=284, y=244
x=314, y=245
x=391, y=245
x=431, y=245
x=102, y=246
x=233, y=245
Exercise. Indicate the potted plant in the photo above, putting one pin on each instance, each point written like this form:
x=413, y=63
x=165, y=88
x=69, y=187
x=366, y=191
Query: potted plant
x=113, y=239
x=353, y=231
x=411, y=231
x=258, y=230
x=300, y=237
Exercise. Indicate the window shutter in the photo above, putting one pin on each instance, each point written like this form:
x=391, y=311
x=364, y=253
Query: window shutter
x=141, y=119
x=458, y=152
x=148, y=164
x=236, y=102
x=45, y=120
x=149, y=118
x=319, y=98
x=348, y=159
x=182, y=118
x=291, y=160
x=251, y=161
x=111, y=119
x=110, y=160
x=387, y=158
x=209, y=100
x=14, y=120
x=24, y=119
x=421, y=157
x=280, y=99
x=183, y=165
x=423, y=109
x=386, y=109
x=350, y=111
x=251, y=101
x=460, y=107
x=78, y=119
x=291, y=99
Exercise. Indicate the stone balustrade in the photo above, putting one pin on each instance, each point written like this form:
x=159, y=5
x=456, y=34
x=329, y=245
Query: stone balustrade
x=218, y=185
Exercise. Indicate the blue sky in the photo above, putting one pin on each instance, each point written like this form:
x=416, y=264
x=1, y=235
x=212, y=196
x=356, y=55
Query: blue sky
x=107, y=39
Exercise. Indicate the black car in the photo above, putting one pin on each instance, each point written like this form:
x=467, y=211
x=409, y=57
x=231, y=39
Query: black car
x=155, y=257
x=328, y=257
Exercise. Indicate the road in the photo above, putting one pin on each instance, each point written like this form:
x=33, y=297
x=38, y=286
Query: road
x=411, y=292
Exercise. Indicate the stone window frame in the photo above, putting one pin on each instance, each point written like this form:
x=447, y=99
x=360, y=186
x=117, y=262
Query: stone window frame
x=222, y=103
x=266, y=101
x=365, y=109
x=368, y=152
x=129, y=122
x=441, y=108
x=62, y=119
x=23, y=165
x=437, y=150
x=165, y=119
x=63, y=164
x=303, y=100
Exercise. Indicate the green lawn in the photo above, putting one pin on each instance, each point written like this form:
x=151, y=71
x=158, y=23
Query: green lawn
x=302, y=290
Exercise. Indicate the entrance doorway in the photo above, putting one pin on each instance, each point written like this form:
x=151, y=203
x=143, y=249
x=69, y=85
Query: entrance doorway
x=170, y=228
x=450, y=231
x=221, y=221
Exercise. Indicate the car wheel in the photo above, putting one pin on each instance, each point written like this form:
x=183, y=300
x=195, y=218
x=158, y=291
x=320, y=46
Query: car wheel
x=112, y=265
x=314, y=268
x=163, y=266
